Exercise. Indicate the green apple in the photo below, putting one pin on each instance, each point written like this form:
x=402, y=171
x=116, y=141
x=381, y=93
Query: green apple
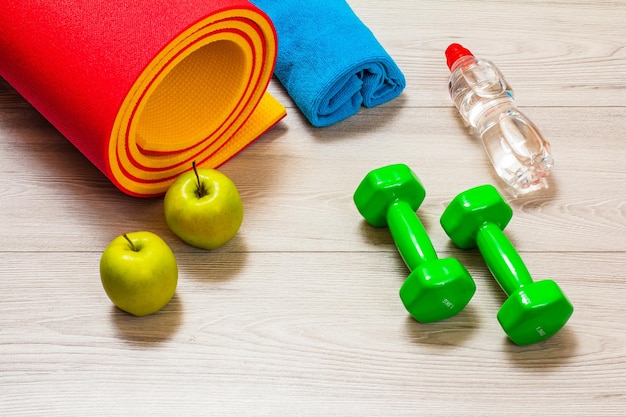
x=139, y=273
x=203, y=208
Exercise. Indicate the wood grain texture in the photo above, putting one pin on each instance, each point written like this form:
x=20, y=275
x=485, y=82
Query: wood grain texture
x=299, y=314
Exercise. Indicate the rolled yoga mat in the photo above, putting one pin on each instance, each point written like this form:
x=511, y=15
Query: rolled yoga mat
x=329, y=62
x=144, y=88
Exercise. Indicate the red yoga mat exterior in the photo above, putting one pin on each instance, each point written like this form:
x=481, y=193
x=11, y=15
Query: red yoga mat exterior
x=91, y=67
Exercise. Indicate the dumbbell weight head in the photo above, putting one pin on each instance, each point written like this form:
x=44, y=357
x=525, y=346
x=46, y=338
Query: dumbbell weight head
x=534, y=311
x=470, y=210
x=436, y=289
x=384, y=186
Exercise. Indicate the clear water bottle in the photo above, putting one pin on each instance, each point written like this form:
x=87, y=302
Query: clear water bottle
x=516, y=148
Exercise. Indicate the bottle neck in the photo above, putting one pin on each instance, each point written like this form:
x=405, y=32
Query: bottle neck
x=462, y=61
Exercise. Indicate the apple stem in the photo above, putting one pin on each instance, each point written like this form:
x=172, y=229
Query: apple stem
x=130, y=242
x=201, y=191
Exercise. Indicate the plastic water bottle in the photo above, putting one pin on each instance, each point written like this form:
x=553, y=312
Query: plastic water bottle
x=516, y=148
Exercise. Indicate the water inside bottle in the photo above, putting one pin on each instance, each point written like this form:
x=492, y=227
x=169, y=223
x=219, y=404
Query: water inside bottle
x=516, y=148
x=520, y=155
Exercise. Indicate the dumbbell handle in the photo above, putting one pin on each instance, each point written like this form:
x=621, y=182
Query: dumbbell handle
x=409, y=234
x=502, y=258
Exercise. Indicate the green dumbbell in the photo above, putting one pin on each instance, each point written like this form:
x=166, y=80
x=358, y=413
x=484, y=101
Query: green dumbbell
x=436, y=289
x=533, y=311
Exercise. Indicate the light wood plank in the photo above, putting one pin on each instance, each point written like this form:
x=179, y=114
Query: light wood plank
x=279, y=331
x=299, y=191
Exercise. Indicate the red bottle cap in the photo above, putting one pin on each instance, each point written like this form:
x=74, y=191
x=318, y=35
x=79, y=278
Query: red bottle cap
x=454, y=52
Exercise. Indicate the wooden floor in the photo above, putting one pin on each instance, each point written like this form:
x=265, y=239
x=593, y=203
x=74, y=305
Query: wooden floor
x=299, y=315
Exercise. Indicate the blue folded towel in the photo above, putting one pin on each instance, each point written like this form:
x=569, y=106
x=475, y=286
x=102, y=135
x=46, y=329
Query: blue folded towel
x=328, y=60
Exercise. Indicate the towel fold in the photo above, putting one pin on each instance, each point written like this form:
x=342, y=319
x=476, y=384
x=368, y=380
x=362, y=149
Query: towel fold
x=329, y=62
x=143, y=88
